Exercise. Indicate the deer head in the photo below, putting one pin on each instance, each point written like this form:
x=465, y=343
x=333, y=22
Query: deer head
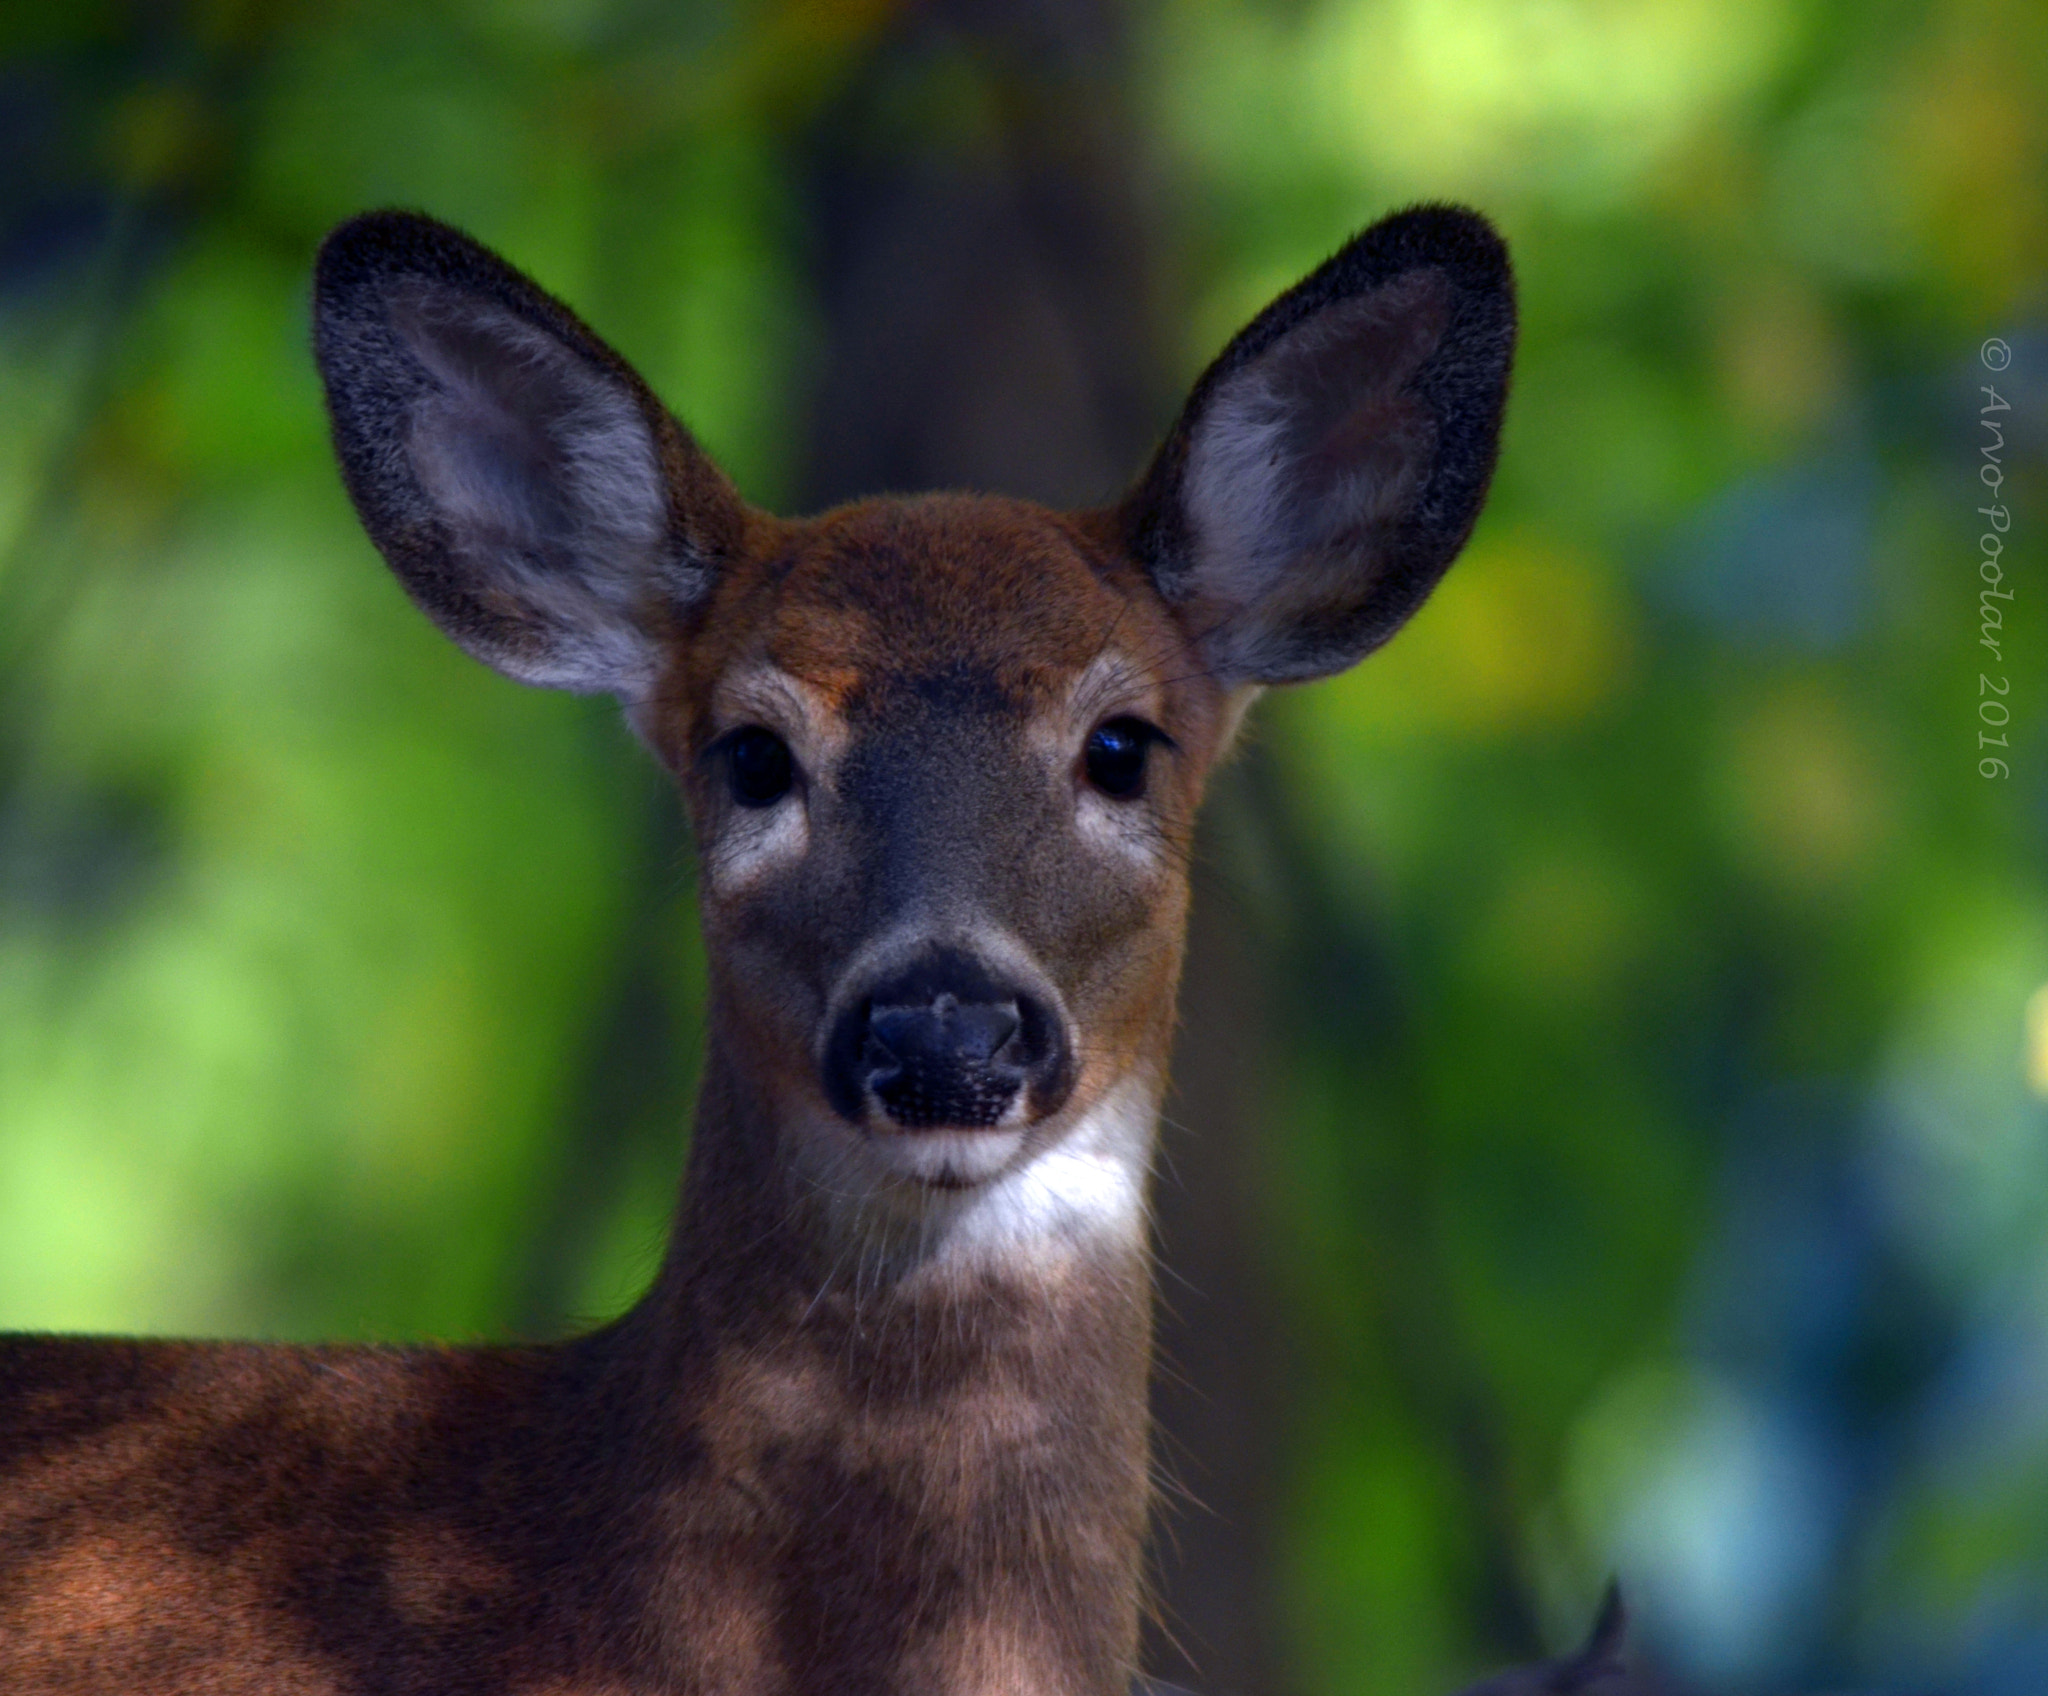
x=941, y=754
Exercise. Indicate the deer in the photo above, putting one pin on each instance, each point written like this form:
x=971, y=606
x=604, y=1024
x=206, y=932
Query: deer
x=878, y=1426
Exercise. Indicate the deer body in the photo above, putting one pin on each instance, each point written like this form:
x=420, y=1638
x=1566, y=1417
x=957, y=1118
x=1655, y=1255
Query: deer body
x=879, y=1426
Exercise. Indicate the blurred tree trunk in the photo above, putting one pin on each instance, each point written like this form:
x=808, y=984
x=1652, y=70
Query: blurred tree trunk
x=983, y=261
x=1221, y=1387
x=987, y=269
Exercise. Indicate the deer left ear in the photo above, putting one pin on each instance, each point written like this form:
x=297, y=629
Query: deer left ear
x=1330, y=464
x=534, y=498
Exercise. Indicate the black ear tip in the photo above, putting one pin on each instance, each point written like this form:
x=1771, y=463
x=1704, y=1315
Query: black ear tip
x=394, y=243
x=1454, y=238
x=358, y=243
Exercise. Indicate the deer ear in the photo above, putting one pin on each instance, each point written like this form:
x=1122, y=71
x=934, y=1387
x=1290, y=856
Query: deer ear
x=1329, y=466
x=532, y=495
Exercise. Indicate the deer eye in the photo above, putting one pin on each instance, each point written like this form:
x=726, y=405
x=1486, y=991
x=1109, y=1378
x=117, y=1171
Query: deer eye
x=1115, y=756
x=759, y=766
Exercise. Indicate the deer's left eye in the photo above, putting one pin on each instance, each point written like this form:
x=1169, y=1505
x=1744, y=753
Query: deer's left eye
x=1115, y=756
x=758, y=766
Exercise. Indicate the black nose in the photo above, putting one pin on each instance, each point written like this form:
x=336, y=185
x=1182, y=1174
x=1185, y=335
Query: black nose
x=945, y=1042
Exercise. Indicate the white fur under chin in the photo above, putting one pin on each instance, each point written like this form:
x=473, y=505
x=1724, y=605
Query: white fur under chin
x=1083, y=1193
x=1087, y=1189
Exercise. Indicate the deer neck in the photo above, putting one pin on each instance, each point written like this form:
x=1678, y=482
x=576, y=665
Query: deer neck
x=956, y=1431
x=769, y=1261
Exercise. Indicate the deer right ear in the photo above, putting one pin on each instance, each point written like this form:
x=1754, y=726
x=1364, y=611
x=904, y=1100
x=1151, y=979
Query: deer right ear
x=535, y=499
x=1329, y=466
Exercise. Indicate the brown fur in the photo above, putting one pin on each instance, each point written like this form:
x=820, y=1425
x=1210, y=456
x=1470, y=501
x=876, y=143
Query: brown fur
x=749, y=1484
x=869, y=1432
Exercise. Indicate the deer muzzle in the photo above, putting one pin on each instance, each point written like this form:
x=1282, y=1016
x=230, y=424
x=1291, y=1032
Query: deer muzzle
x=948, y=1042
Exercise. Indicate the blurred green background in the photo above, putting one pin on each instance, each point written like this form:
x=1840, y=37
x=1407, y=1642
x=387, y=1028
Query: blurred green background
x=1613, y=1127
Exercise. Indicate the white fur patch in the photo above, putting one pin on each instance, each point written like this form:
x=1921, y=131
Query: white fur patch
x=1117, y=827
x=752, y=841
x=1070, y=1187
x=802, y=715
x=1112, y=685
x=1087, y=1189
x=746, y=843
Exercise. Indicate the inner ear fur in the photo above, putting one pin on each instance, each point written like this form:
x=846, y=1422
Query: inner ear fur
x=529, y=491
x=1329, y=465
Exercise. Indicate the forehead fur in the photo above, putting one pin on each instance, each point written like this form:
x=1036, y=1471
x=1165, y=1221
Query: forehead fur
x=892, y=597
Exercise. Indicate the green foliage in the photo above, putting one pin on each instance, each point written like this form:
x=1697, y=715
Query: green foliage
x=1677, y=897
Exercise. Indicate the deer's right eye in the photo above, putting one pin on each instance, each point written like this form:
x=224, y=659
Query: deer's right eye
x=759, y=766
x=1115, y=756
